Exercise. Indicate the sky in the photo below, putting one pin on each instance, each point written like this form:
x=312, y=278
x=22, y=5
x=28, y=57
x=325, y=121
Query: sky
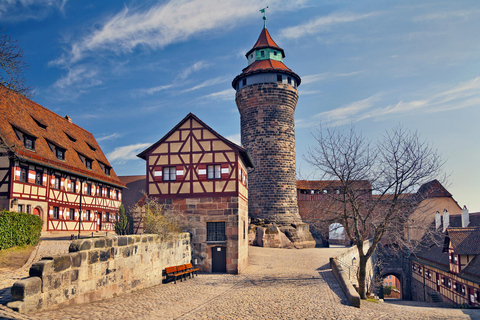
x=128, y=71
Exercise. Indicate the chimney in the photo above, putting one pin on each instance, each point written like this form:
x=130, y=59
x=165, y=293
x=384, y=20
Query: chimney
x=446, y=220
x=438, y=220
x=465, y=217
x=68, y=118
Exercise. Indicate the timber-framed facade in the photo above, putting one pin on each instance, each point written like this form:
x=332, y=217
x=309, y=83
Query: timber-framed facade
x=195, y=171
x=47, y=164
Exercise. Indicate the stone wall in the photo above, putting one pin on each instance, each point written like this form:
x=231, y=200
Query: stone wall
x=98, y=269
x=200, y=211
x=349, y=259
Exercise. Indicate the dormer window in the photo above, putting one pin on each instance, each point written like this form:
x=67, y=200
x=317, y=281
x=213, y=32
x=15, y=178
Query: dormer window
x=91, y=147
x=70, y=137
x=88, y=163
x=29, y=142
x=107, y=171
x=60, y=153
x=39, y=123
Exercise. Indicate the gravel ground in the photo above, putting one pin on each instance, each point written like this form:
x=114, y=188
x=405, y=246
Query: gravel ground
x=278, y=284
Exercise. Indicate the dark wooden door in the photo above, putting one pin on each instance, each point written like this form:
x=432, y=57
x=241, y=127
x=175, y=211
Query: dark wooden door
x=219, y=259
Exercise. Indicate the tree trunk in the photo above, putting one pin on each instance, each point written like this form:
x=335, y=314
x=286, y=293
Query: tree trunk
x=362, y=268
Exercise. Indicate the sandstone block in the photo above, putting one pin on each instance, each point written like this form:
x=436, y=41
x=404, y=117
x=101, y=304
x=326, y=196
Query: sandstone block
x=61, y=262
x=99, y=243
x=93, y=256
x=80, y=245
x=41, y=268
x=26, y=287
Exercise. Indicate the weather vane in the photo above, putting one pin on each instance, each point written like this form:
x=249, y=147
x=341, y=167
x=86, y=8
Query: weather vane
x=264, y=16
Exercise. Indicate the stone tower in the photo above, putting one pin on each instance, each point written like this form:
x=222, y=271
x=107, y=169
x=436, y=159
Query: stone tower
x=266, y=99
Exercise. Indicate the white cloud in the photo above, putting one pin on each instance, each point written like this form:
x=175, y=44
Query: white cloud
x=465, y=94
x=326, y=76
x=446, y=15
x=123, y=154
x=110, y=137
x=226, y=95
x=154, y=89
x=197, y=66
x=18, y=10
x=235, y=138
x=208, y=83
x=321, y=24
x=81, y=76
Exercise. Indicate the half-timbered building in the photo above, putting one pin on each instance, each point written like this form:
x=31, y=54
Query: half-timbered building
x=195, y=171
x=448, y=269
x=53, y=168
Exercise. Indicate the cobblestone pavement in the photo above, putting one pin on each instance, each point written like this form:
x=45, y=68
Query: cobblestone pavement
x=278, y=284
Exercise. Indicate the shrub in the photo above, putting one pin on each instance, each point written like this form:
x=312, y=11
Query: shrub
x=19, y=229
x=122, y=224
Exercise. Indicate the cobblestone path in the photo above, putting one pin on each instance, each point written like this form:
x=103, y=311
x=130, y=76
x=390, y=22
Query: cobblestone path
x=278, y=284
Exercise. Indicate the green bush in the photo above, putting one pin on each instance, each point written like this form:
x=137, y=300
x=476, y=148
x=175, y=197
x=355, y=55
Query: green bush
x=19, y=229
x=121, y=225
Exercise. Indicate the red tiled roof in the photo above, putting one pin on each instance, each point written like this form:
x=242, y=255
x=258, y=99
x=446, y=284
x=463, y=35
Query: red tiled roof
x=136, y=186
x=265, y=41
x=433, y=189
x=26, y=115
x=264, y=65
x=329, y=184
x=465, y=241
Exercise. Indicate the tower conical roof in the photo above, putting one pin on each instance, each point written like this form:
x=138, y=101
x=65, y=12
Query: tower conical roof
x=265, y=41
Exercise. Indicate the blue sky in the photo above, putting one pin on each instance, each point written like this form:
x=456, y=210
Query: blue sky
x=129, y=71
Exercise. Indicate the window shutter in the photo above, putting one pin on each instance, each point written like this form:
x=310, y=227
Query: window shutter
x=60, y=213
x=69, y=185
x=31, y=176
x=44, y=180
x=52, y=180
x=17, y=173
x=202, y=172
x=78, y=186
x=179, y=173
x=157, y=174
x=225, y=170
x=62, y=183
x=93, y=190
x=119, y=196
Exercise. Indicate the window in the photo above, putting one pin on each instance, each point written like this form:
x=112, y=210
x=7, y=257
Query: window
x=38, y=177
x=60, y=153
x=274, y=53
x=107, y=217
x=89, y=217
x=20, y=208
x=29, y=142
x=289, y=80
x=55, y=212
x=88, y=164
x=74, y=185
x=56, y=184
x=72, y=214
x=279, y=78
x=169, y=173
x=262, y=53
x=89, y=189
x=214, y=171
x=244, y=230
x=117, y=194
x=28, y=208
x=107, y=171
x=251, y=56
x=216, y=231
x=70, y=137
x=23, y=174
x=108, y=192
x=100, y=191
x=244, y=82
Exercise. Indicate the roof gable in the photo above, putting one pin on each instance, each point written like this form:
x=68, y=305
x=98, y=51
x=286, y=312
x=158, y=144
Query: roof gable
x=464, y=241
x=243, y=153
x=19, y=113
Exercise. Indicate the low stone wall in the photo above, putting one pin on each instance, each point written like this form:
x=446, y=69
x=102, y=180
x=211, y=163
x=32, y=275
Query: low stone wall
x=97, y=269
x=345, y=266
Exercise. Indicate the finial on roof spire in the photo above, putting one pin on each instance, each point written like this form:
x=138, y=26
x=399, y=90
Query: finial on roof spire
x=264, y=17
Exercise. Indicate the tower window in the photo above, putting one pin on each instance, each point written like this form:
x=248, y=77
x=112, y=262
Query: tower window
x=262, y=53
x=279, y=78
x=244, y=82
x=251, y=56
x=289, y=80
x=274, y=53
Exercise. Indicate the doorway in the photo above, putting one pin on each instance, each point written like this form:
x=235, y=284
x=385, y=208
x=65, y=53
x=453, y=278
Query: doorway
x=219, y=259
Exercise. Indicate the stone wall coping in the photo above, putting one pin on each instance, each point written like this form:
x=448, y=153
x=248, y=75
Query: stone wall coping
x=345, y=283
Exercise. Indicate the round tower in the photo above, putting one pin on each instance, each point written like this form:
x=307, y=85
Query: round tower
x=266, y=97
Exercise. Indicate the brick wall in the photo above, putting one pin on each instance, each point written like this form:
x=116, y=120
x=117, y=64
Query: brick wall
x=268, y=134
x=97, y=269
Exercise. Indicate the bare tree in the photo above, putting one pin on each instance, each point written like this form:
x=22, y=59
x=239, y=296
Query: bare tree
x=12, y=65
x=377, y=183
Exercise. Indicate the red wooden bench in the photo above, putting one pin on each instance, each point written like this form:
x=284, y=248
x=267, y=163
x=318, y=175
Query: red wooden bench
x=180, y=272
x=191, y=269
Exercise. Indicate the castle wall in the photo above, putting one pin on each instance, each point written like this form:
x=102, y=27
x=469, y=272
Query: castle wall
x=99, y=269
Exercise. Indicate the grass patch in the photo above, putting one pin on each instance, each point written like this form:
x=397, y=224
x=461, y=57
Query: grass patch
x=372, y=300
x=14, y=258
